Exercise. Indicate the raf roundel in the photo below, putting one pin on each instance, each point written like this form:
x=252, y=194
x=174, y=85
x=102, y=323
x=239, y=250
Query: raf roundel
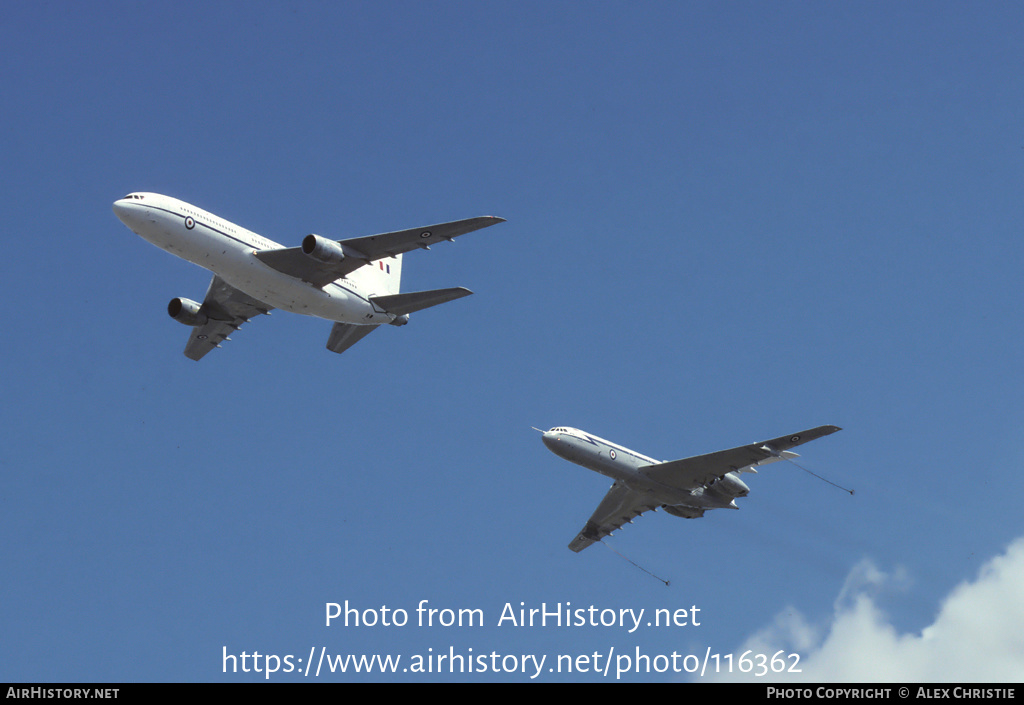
x=611, y=453
x=189, y=223
x=794, y=439
x=426, y=233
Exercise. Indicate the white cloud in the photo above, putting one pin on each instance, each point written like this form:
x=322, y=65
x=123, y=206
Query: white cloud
x=977, y=636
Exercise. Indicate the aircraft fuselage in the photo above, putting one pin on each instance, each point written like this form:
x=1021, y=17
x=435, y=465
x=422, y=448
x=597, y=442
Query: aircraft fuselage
x=228, y=250
x=625, y=465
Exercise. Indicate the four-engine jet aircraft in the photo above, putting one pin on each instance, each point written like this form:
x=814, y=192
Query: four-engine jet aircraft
x=683, y=488
x=354, y=282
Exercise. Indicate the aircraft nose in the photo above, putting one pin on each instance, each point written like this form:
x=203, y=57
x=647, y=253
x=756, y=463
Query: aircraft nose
x=129, y=212
x=121, y=208
x=550, y=438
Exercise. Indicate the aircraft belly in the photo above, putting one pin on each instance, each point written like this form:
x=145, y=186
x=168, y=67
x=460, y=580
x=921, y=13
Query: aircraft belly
x=593, y=457
x=610, y=467
x=673, y=496
x=287, y=293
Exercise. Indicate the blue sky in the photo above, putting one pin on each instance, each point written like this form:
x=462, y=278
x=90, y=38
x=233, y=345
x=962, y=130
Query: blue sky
x=726, y=222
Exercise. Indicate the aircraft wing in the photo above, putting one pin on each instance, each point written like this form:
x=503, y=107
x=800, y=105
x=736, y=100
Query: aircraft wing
x=701, y=470
x=362, y=250
x=227, y=309
x=390, y=244
x=620, y=506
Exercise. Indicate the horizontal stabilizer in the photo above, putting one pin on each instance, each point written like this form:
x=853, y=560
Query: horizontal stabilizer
x=345, y=335
x=400, y=304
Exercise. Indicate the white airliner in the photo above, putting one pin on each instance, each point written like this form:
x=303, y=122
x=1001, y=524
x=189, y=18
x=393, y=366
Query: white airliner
x=683, y=488
x=354, y=282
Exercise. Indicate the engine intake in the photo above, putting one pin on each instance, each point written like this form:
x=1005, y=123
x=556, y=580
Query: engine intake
x=322, y=250
x=187, y=311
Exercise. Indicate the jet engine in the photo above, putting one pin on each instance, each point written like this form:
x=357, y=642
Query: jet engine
x=322, y=250
x=186, y=311
x=729, y=486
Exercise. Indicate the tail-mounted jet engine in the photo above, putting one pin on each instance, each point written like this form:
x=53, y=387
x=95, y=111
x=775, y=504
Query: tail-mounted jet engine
x=186, y=311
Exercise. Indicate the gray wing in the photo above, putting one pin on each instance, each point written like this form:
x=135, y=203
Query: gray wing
x=345, y=335
x=620, y=506
x=414, y=301
x=701, y=470
x=362, y=250
x=227, y=309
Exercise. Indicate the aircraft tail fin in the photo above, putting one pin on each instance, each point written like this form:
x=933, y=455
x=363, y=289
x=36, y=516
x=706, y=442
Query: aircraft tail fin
x=400, y=304
x=392, y=267
x=384, y=274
